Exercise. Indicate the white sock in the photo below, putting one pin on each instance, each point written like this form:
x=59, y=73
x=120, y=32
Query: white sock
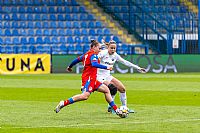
x=123, y=99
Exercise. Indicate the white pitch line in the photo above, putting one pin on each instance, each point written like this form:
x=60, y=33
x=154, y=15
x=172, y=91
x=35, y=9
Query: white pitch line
x=100, y=124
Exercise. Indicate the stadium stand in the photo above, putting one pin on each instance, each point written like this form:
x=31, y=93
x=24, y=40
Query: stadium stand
x=56, y=27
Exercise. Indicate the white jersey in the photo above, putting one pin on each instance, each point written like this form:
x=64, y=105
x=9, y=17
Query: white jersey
x=109, y=60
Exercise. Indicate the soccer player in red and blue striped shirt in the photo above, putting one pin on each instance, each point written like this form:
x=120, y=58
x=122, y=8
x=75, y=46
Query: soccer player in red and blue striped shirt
x=89, y=78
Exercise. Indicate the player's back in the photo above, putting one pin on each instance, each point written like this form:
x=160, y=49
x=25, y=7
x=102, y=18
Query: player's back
x=89, y=70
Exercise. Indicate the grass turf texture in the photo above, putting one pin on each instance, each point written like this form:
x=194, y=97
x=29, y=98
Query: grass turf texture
x=164, y=103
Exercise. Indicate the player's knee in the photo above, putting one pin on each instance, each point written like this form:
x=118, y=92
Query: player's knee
x=113, y=89
x=122, y=90
x=84, y=97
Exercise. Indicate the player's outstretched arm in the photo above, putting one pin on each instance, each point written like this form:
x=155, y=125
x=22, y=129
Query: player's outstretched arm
x=74, y=62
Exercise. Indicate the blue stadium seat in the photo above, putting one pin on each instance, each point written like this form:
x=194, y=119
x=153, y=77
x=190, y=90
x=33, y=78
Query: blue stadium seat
x=22, y=24
x=74, y=17
x=7, y=9
x=116, y=39
x=91, y=24
x=44, y=9
x=13, y=10
x=30, y=17
x=78, y=39
x=76, y=24
x=61, y=32
x=63, y=48
x=61, y=24
x=45, y=25
x=46, y=32
x=60, y=9
x=37, y=17
x=84, y=32
x=7, y=41
x=77, y=32
x=30, y=2
x=22, y=9
x=39, y=40
x=98, y=24
x=7, y=24
x=86, y=47
x=70, y=40
x=1, y=41
x=68, y=17
x=83, y=16
x=90, y=17
x=75, y=9
x=82, y=9
x=63, y=40
x=7, y=32
x=31, y=40
x=67, y=9
x=15, y=32
x=24, y=40
x=68, y=24
x=29, y=9
x=44, y=17
x=23, y=32
x=106, y=31
x=54, y=40
x=47, y=40
x=14, y=17
x=30, y=24
x=38, y=24
x=1, y=25
x=1, y=32
x=84, y=24
x=22, y=17
x=99, y=32
x=39, y=32
x=9, y=50
x=108, y=38
x=61, y=17
x=36, y=9
x=52, y=10
x=100, y=38
x=16, y=41
x=31, y=32
x=53, y=24
x=52, y=17
x=69, y=32
x=92, y=32
x=54, y=32
x=85, y=39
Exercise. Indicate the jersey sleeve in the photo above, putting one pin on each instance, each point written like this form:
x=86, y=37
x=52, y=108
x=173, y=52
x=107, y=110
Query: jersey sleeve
x=126, y=63
x=94, y=62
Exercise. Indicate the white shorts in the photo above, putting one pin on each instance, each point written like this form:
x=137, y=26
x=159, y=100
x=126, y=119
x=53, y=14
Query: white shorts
x=103, y=78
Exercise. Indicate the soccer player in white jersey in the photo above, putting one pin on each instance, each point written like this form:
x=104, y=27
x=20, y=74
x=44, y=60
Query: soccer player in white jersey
x=108, y=57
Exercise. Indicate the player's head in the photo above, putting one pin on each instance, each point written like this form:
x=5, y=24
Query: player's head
x=112, y=47
x=95, y=45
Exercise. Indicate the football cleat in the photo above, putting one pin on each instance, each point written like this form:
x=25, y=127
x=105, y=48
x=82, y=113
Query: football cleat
x=111, y=110
x=131, y=111
x=59, y=106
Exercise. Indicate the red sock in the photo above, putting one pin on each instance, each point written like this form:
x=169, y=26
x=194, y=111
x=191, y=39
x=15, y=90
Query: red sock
x=66, y=102
x=114, y=107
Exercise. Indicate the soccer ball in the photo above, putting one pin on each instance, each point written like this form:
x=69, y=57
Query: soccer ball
x=123, y=111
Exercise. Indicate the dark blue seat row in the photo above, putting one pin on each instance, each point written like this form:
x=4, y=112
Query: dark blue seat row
x=51, y=24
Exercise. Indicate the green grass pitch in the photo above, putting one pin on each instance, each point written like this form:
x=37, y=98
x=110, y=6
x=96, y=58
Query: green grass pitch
x=168, y=103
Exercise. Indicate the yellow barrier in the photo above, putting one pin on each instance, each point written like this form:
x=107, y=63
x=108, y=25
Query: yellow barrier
x=25, y=63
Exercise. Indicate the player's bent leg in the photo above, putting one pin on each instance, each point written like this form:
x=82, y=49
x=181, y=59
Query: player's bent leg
x=103, y=88
x=76, y=98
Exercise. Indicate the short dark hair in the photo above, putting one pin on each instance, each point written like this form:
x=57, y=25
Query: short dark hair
x=94, y=43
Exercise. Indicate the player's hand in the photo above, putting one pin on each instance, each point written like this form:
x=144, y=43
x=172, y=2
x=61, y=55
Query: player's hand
x=142, y=70
x=109, y=68
x=69, y=69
